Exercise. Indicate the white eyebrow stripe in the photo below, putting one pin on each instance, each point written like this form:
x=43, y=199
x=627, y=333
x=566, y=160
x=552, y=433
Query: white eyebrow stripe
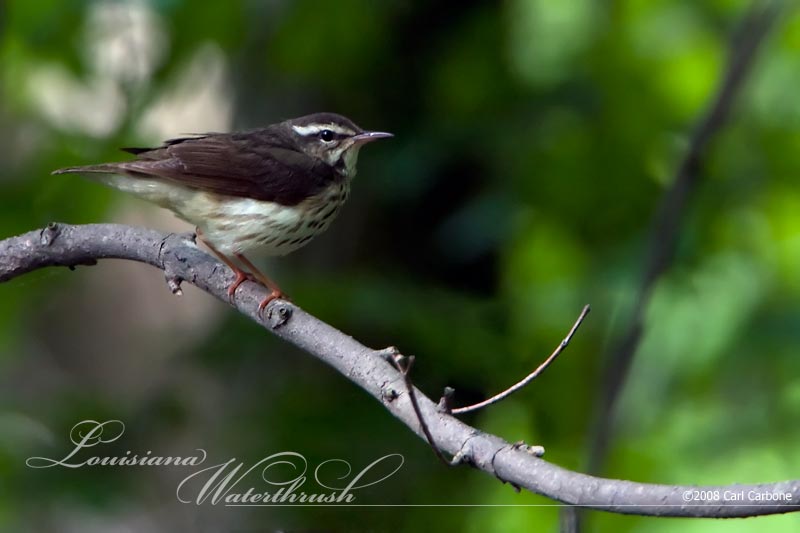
x=313, y=129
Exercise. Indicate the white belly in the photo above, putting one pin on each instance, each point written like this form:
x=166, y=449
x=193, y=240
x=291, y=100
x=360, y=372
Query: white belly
x=241, y=225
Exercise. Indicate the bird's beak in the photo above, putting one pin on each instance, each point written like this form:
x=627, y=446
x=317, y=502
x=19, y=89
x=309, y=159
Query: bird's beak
x=369, y=136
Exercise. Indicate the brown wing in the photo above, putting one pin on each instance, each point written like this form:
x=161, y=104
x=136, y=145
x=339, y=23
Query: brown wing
x=255, y=164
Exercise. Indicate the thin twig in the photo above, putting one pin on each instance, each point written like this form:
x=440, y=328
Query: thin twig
x=403, y=365
x=530, y=377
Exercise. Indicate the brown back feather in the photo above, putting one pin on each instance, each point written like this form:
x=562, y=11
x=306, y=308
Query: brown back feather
x=260, y=164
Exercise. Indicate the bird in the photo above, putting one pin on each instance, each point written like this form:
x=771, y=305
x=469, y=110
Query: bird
x=272, y=188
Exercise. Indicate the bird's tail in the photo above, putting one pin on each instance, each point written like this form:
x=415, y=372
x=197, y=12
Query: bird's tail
x=105, y=168
x=132, y=179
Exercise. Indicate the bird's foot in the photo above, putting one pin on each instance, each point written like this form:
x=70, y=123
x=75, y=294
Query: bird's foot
x=241, y=277
x=276, y=294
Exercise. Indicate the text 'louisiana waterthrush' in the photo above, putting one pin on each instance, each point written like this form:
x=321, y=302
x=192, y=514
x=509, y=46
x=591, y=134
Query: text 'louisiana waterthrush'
x=273, y=188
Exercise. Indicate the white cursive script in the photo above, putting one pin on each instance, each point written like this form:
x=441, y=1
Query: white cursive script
x=224, y=483
x=90, y=433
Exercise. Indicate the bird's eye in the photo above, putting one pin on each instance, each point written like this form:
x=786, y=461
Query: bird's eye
x=326, y=135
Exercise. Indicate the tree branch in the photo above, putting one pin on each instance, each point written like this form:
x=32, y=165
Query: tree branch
x=667, y=221
x=180, y=259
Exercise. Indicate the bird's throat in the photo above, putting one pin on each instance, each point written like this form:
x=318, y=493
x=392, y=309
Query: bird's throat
x=348, y=162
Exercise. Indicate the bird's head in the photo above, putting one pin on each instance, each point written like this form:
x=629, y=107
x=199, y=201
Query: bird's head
x=331, y=138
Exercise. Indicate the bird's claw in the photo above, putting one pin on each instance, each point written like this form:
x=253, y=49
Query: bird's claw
x=241, y=277
x=274, y=295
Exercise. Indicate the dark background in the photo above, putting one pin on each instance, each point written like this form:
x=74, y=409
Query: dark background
x=534, y=140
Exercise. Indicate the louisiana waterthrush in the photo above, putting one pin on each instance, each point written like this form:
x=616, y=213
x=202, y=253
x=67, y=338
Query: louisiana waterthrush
x=273, y=188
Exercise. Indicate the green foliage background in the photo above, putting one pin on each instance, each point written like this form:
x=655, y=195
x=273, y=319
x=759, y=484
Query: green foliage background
x=534, y=139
